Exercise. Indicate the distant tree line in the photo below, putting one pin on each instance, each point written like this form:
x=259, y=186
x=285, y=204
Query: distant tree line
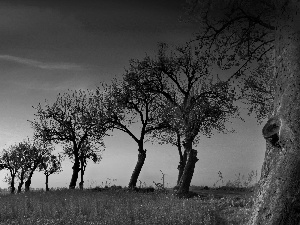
x=24, y=158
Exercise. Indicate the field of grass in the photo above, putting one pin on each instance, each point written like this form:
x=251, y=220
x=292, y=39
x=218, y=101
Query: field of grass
x=121, y=207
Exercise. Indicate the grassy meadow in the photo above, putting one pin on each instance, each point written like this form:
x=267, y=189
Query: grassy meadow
x=120, y=206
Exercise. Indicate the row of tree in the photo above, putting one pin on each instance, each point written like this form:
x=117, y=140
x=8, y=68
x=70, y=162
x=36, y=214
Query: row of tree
x=24, y=158
x=174, y=97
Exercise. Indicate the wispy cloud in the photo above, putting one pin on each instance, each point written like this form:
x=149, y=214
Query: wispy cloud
x=41, y=65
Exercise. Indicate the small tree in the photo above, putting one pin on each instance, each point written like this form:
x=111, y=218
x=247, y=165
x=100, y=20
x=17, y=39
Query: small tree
x=50, y=164
x=22, y=160
x=9, y=161
x=35, y=154
x=23, y=150
x=86, y=152
x=71, y=120
x=18, y=159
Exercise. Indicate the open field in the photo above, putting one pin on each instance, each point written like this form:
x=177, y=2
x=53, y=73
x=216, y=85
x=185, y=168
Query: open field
x=124, y=207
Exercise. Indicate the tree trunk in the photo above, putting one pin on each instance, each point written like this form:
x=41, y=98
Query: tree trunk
x=182, y=157
x=180, y=171
x=82, y=169
x=28, y=181
x=76, y=169
x=186, y=178
x=47, y=182
x=138, y=168
x=12, y=185
x=21, y=182
x=81, y=179
x=181, y=166
x=27, y=184
x=278, y=195
x=188, y=172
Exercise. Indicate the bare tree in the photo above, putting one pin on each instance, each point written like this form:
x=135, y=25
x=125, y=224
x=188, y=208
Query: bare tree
x=72, y=119
x=239, y=35
x=128, y=103
x=237, y=32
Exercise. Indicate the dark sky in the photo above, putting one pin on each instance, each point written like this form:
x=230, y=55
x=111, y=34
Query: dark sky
x=89, y=33
x=48, y=47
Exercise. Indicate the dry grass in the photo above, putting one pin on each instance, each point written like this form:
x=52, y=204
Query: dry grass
x=120, y=207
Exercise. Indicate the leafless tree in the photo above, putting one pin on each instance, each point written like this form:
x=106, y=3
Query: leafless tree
x=128, y=103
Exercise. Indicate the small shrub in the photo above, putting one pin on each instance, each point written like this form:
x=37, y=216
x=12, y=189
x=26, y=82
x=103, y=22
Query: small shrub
x=144, y=189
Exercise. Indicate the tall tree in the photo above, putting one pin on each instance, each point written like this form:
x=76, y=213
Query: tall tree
x=277, y=197
x=194, y=99
x=128, y=103
x=72, y=119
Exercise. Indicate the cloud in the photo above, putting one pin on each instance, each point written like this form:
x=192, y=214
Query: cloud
x=41, y=65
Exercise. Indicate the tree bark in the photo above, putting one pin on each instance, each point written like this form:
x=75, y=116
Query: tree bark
x=181, y=166
x=188, y=172
x=182, y=158
x=28, y=181
x=186, y=178
x=278, y=194
x=138, y=168
x=12, y=185
x=27, y=184
x=76, y=169
x=82, y=168
x=21, y=182
x=47, y=182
